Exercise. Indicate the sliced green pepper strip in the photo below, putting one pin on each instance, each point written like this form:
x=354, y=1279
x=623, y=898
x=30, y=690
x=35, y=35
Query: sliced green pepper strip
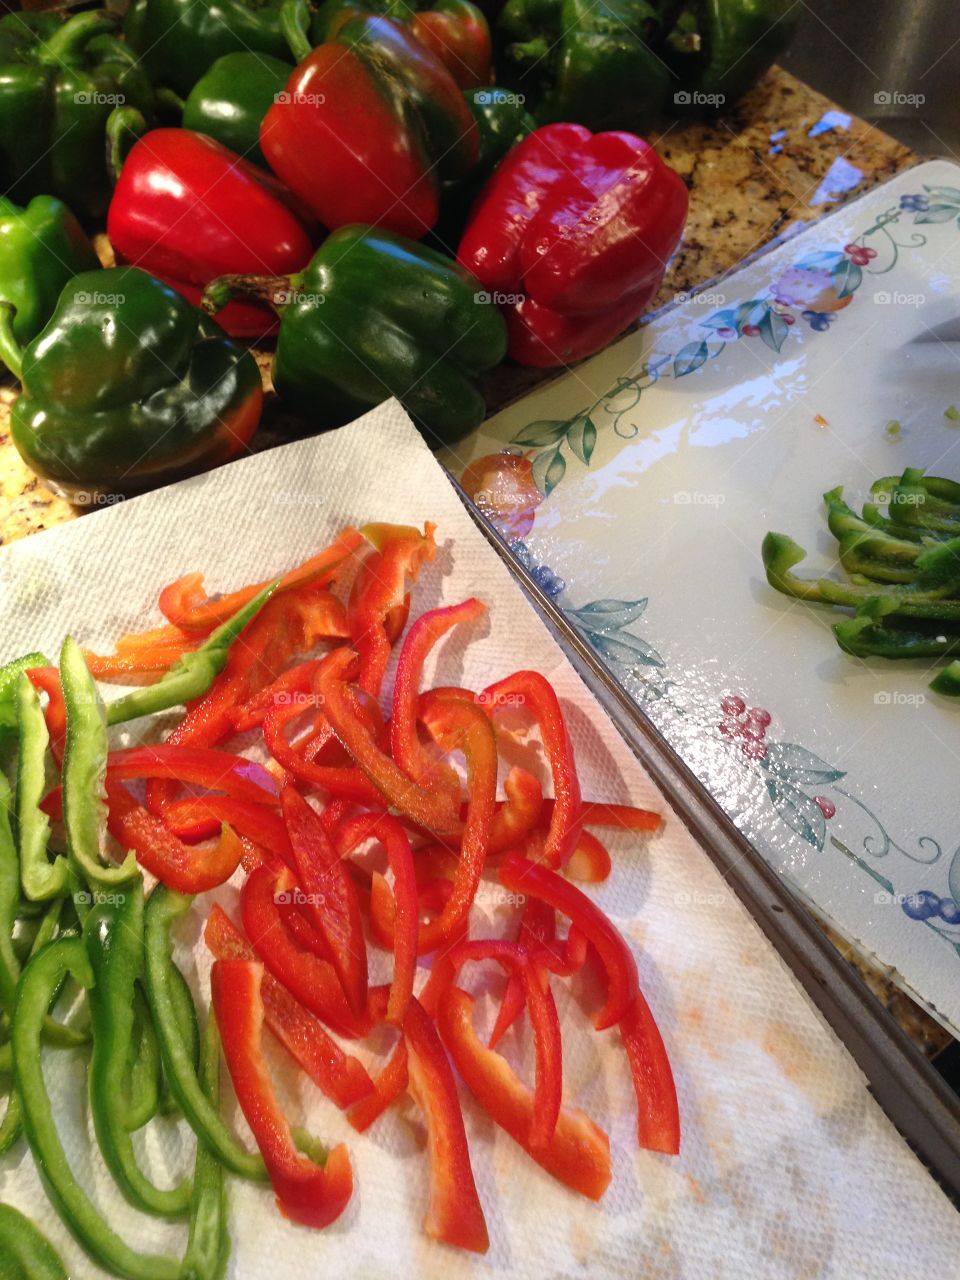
x=180, y=1070
x=191, y=675
x=113, y=935
x=41, y=878
x=862, y=637
x=8, y=699
x=9, y=901
x=32, y=1255
x=947, y=681
x=875, y=518
x=879, y=557
x=208, y=1247
x=38, y=982
x=12, y=1125
x=142, y=1097
x=84, y=770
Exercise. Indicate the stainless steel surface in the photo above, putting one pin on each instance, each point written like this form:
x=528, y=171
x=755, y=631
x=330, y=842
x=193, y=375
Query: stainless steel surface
x=893, y=62
x=916, y=1098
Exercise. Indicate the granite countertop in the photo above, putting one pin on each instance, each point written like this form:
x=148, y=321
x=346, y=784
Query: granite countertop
x=786, y=157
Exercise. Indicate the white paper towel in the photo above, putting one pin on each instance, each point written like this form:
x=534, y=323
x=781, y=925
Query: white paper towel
x=788, y=1168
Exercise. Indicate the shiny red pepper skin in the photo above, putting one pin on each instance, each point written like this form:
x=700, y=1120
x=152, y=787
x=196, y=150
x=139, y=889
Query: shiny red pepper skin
x=187, y=209
x=306, y=1193
x=579, y=227
x=371, y=123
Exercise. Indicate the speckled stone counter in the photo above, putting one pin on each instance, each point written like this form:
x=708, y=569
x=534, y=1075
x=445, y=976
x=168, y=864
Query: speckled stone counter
x=786, y=157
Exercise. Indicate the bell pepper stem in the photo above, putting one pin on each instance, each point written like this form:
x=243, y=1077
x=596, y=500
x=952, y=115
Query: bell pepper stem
x=530, y=50
x=275, y=291
x=11, y=352
x=294, y=23
x=63, y=45
x=169, y=100
x=125, y=127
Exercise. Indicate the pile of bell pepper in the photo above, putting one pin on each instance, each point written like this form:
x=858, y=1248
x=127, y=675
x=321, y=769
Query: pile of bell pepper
x=902, y=558
x=371, y=828
x=398, y=194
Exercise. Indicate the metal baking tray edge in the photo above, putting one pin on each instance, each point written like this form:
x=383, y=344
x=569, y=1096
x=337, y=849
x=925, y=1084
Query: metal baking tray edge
x=915, y=1097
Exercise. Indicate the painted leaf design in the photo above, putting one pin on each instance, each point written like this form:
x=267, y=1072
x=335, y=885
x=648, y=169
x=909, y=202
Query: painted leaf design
x=626, y=649
x=726, y=319
x=541, y=433
x=689, y=358
x=773, y=329
x=601, y=616
x=938, y=213
x=798, y=811
x=953, y=878
x=793, y=763
x=943, y=193
x=847, y=278
x=749, y=313
x=548, y=470
x=581, y=438
x=822, y=258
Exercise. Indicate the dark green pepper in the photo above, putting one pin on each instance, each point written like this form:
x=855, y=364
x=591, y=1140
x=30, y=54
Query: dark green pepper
x=113, y=934
x=41, y=248
x=376, y=315
x=179, y=40
x=40, y=878
x=30, y=1253
x=129, y=387
x=863, y=637
x=59, y=82
x=231, y=98
x=9, y=715
x=721, y=48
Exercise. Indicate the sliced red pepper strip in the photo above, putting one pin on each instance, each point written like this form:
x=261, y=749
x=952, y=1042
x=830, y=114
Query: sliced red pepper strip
x=658, y=1114
x=596, y=813
x=186, y=605
x=303, y=931
x=573, y=956
x=590, y=860
x=548, y=1090
x=523, y=876
x=138, y=666
x=312, y=981
x=292, y=686
x=519, y=814
x=354, y=832
x=237, y=776
x=330, y=896
x=427, y=807
x=538, y=925
x=346, y=781
x=379, y=591
x=340, y=1076
x=579, y=1153
x=388, y=1085
x=186, y=868
x=47, y=680
x=535, y=694
x=198, y=817
x=454, y=1214
x=305, y=1192
x=408, y=751
x=164, y=637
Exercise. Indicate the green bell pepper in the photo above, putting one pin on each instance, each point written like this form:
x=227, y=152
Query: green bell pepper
x=947, y=681
x=208, y=1247
x=59, y=82
x=9, y=714
x=31, y=1254
x=721, y=48
x=863, y=637
x=113, y=934
x=38, y=984
x=179, y=40
x=375, y=315
x=129, y=387
x=41, y=248
x=231, y=98
x=41, y=878
x=141, y=1098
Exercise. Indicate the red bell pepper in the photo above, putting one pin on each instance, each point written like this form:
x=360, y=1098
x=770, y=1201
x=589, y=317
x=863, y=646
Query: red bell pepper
x=578, y=1155
x=310, y=980
x=388, y=831
x=199, y=817
x=340, y=1076
x=237, y=776
x=428, y=808
x=47, y=680
x=306, y=1192
x=548, y=1091
x=624, y=816
x=538, y=927
x=408, y=751
x=454, y=1214
x=187, y=209
x=330, y=896
x=458, y=33
x=379, y=592
x=579, y=227
x=590, y=860
x=186, y=868
x=523, y=876
x=658, y=1114
x=370, y=125
x=535, y=695
x=292, y=686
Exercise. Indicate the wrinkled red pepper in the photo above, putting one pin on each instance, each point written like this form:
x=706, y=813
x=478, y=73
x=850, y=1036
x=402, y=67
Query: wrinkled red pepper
x=306, y=1192
x=454, y=1214
x=578, y=228
x=187, y=209
x=340, y=1076
x=531, y=692
x=578, y=1155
